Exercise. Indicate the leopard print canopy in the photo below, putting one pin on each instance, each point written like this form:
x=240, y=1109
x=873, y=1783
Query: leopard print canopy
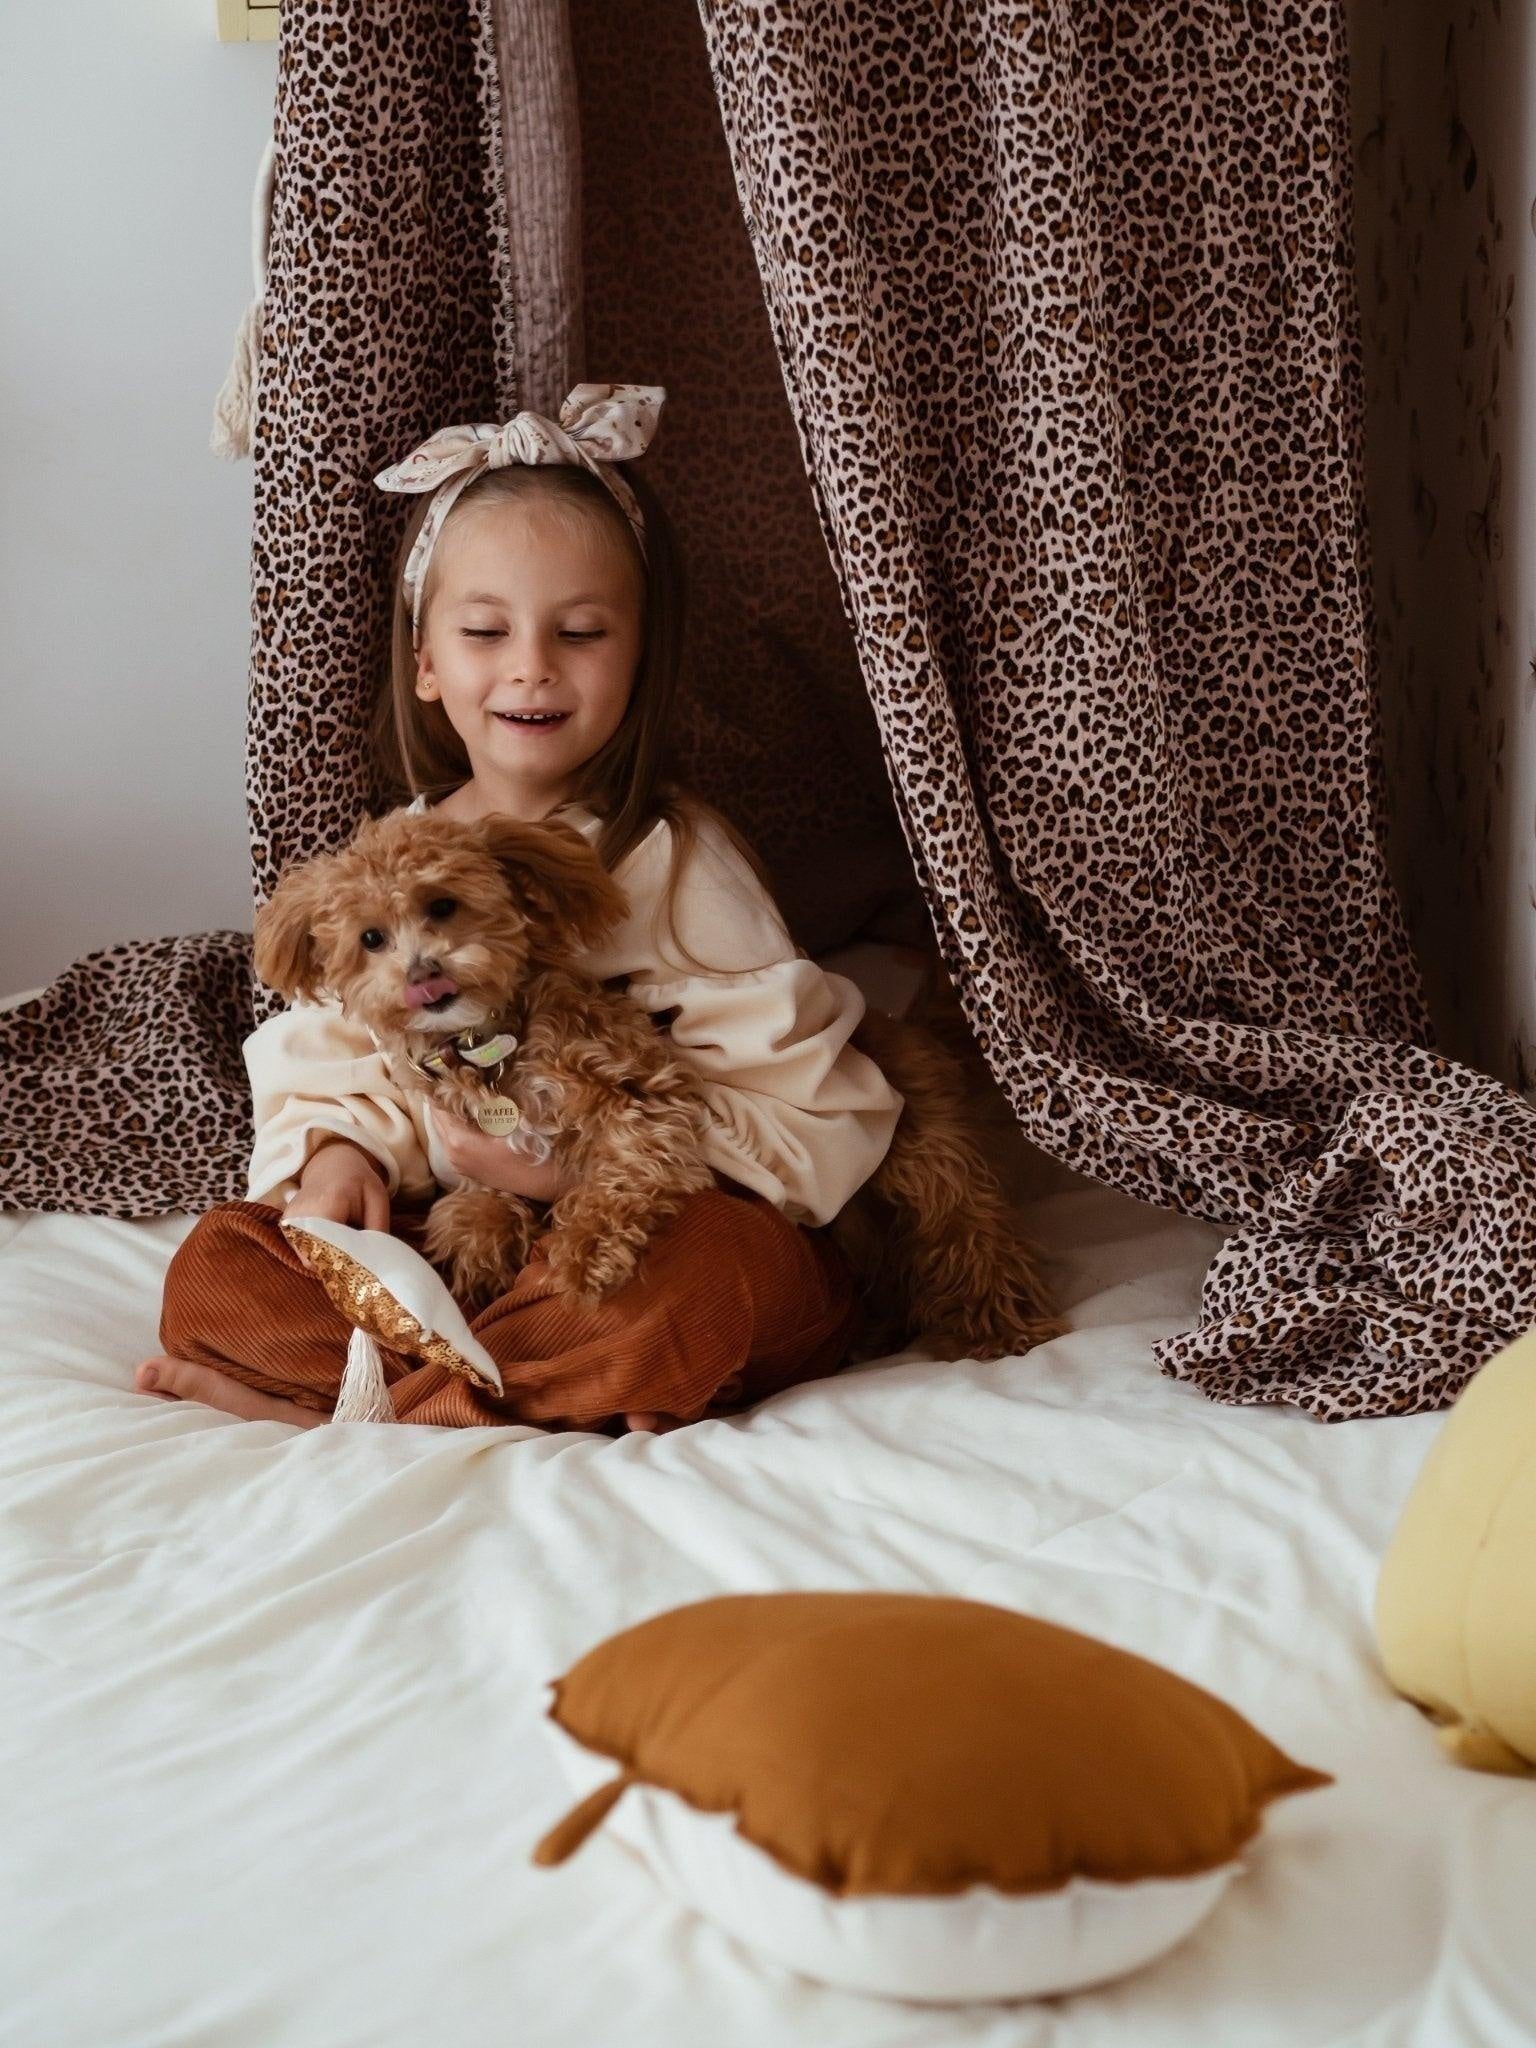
x=1074, y=617
x=1084, y=417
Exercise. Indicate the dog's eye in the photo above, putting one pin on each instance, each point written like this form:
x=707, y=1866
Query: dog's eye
x=442, y=906
x=373, y=939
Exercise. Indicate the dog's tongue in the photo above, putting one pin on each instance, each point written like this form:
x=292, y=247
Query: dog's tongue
x=419, y=993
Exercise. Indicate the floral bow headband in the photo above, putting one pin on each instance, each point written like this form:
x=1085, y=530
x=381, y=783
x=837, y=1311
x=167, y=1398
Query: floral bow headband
x=599, y=424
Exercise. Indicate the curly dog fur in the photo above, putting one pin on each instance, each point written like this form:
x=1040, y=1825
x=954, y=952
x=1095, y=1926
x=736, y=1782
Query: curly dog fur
x=496, y=914
x=932, y=1238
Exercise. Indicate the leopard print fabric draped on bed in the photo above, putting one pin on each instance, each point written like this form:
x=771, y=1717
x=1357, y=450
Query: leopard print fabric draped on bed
x=1061, y=299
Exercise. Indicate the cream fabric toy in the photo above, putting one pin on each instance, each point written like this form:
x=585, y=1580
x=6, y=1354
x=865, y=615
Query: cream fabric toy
x=392, y=1296
x=1456, y=1600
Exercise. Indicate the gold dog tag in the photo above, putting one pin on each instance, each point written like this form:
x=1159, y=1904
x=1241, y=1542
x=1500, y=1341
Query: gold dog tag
x=498, y=1118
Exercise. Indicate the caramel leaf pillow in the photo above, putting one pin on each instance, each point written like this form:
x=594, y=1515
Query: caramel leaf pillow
x=925, y=1797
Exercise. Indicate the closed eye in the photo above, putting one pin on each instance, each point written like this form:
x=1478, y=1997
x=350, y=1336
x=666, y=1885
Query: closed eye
x=494, y=633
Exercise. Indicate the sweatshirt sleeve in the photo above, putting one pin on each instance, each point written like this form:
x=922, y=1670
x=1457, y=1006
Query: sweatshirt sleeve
x=313, y=1072
x=795, y=1112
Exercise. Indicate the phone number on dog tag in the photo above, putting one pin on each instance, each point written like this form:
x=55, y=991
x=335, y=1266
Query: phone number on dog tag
x=497, y=1119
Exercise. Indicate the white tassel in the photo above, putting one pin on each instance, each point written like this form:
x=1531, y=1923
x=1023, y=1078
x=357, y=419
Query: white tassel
x=364, y=1395
x=234, y=411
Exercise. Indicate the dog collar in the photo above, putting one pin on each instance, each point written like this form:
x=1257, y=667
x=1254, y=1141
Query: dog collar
x=486, y=1055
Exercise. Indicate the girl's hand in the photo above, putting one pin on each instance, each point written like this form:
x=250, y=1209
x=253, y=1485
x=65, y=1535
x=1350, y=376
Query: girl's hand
x=492, y=1163
x=343, y=1183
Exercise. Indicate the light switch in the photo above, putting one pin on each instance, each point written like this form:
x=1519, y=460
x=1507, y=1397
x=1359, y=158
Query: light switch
x=248, y=21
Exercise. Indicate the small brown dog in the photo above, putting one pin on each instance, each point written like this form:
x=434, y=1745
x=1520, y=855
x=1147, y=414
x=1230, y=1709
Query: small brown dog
x=456, y=946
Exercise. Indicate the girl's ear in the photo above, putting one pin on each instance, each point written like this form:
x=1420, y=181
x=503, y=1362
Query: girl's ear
x=286, y=955
x=558, y=879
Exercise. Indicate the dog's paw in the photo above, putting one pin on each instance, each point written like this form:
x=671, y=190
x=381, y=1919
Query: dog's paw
x=479, y=1240
x=590, y=1265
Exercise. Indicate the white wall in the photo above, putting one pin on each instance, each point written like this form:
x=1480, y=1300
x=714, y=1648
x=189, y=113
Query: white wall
x=129, y=139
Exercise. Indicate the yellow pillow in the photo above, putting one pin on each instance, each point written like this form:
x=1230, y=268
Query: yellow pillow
x=922, y=1796
x=1456, y=1600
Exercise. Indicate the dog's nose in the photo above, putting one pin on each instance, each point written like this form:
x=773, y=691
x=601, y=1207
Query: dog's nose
x=427, y=985
x=423, y=967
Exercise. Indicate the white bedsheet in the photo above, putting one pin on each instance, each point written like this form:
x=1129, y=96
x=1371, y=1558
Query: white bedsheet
x=271, y=1747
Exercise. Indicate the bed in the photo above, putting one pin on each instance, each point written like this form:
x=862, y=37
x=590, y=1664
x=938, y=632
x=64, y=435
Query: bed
x=273, y=1747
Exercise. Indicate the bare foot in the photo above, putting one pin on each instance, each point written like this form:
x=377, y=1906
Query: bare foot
x=656, y=1425
x=175, y=1379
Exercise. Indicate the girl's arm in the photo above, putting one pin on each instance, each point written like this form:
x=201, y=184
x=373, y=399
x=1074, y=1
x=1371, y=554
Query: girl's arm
x=492, y=1162
x=795, y=1112
x=344, y=1183
x=316, y=1076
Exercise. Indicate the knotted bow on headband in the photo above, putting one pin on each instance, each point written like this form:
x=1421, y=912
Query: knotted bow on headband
x=599, y=424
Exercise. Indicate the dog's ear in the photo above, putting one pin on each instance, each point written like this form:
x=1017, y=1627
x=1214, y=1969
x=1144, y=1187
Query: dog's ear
x=558, y=878
x=286, y=955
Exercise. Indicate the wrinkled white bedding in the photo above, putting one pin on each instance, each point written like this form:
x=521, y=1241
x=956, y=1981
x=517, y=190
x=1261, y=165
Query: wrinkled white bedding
x=271, y=1746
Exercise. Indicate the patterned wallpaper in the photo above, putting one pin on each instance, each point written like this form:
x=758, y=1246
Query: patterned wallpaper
x=1444, y=109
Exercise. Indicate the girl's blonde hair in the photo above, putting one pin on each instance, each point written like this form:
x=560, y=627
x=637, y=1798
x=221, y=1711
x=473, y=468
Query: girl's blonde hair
x=631, y=782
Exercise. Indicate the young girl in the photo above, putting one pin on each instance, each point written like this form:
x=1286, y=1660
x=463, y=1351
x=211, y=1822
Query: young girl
x=535, y=667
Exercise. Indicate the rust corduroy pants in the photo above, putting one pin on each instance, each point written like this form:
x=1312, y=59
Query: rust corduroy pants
x=732, y=1303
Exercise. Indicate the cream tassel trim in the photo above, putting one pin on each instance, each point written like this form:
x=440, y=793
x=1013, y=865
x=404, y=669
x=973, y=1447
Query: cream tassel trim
x=364, y=1395
x=234, y=410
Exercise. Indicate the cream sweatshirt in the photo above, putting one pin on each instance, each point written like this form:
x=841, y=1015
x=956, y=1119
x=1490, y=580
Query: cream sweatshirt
x=794, y=1111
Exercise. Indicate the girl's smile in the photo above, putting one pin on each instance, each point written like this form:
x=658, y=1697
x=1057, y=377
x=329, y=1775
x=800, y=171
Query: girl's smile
x=532, y=633
x=532, y=721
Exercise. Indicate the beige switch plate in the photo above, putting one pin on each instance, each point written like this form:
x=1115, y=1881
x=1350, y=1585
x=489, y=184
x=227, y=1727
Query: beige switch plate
x=248, y=21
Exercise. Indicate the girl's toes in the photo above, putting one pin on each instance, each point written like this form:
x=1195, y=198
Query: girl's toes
x=186, y=1382
x=175, y=1379
x=150, y=1378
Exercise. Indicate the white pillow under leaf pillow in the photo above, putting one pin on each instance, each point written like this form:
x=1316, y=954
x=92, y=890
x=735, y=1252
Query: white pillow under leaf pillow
x=914, y=1796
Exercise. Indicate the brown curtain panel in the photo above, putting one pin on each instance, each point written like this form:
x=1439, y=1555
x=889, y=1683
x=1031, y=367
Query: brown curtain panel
x=777, y=726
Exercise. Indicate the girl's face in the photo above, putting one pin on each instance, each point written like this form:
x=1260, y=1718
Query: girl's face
x=530, y=643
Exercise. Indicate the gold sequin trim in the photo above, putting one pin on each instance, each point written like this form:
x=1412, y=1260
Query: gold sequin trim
x=364, y=1300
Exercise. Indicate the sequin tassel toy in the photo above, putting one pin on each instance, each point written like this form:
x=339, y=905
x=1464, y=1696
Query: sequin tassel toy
x=391, y=1296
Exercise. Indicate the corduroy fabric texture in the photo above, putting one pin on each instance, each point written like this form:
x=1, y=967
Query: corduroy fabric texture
x=732, y=1303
